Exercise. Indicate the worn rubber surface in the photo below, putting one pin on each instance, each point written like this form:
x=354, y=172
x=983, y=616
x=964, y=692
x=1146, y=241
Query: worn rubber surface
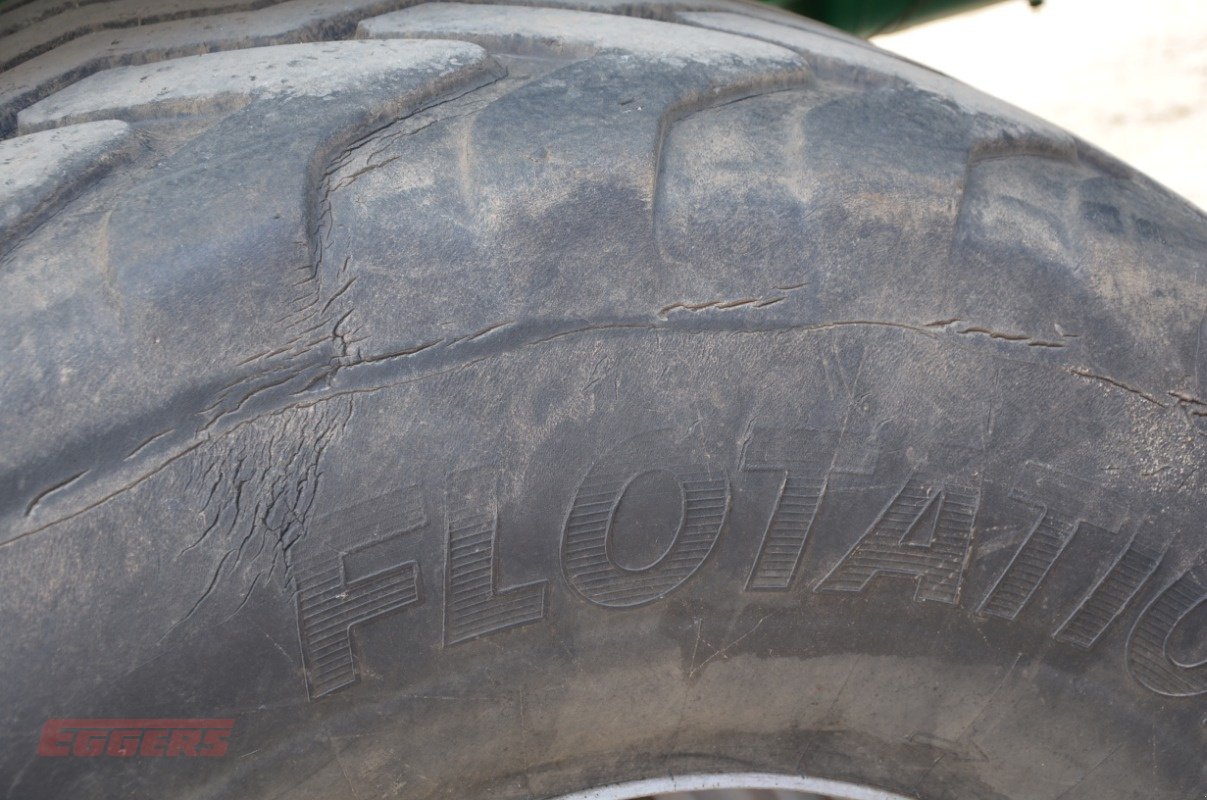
x=499, y=401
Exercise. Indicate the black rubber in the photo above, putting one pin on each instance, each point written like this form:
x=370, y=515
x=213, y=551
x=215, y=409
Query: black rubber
x=506, y=401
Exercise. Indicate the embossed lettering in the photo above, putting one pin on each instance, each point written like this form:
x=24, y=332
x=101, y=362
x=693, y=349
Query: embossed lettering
x=924, y=533
x=802, y=457
x=330, y=606
x=474, y=606
x=1065, y=502
x=1109, y=597
x=1148, y=655
x=703, y=501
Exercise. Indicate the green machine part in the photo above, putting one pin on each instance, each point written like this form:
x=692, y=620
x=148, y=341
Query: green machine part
x=869, y=17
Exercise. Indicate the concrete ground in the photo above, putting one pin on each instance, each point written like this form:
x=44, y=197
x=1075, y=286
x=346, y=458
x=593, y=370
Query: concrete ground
x=1128, y=75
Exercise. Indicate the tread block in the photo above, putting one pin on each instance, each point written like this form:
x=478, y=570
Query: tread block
x=836, y=56
x=528, y=30
x=637, y=77
x=231, y=80
x=286, y=23
x=72, y=23
x=41, y=168
x=20, y=14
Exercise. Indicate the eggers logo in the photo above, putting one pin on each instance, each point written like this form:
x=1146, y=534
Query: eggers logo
x=124, y=738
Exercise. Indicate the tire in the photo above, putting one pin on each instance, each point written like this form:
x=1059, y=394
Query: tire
x=505, y=401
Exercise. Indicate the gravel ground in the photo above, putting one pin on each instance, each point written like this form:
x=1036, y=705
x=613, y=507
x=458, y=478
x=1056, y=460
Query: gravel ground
x=1128, y=75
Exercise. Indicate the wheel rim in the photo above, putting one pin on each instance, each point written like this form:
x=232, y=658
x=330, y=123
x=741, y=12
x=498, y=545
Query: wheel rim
x=735, y=786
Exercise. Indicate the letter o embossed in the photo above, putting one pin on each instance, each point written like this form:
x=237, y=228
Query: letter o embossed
x=703, y=498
